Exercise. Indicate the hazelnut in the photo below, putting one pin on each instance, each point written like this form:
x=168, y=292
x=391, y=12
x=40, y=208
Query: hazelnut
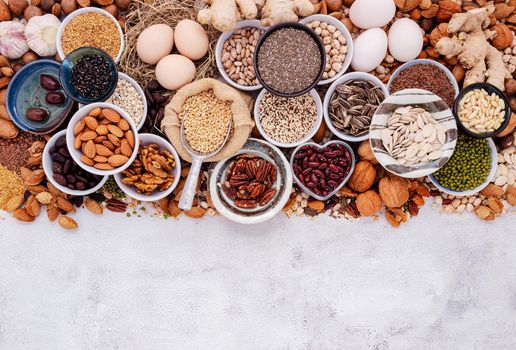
x=503, y=37
x=5, y=13
x=46, y=5
x=394, y=191
x=68, y=6
x=29, y=57
x=363, y=177
x=32, y=11
x=510, y=127
x=56, y=10
x=112, y=10
x=368, y=203
x=366, y=152
x=123, y=5
x=17, y=7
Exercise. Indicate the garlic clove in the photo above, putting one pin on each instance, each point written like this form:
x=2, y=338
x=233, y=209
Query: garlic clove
x=41, y=34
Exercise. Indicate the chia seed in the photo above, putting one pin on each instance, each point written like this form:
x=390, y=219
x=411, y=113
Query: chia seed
x=289, y=60
x=91, y=76
x=427, y=77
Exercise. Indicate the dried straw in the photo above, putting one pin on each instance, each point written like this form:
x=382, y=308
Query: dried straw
x=142, y=15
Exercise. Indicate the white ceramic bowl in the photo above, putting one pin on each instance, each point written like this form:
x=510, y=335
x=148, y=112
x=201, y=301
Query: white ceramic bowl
x=425, y=61
x=76, y=154
x=78, y=12
x=284, y=179
x=307, y=137
x=349, y=42
x=146, y=139
x=331, y=90
x=47, y=167
x=490, y=177
x=138, y=88
x=439, y=112
x=253, y=23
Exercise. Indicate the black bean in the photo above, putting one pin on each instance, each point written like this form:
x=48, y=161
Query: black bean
x=99, y=197
x=57, y=168
x=66, y=166
x=71, y=178
x=91, y=76
x=64, y=152
x=56, y=157
x=60, y=179
x=60, y=142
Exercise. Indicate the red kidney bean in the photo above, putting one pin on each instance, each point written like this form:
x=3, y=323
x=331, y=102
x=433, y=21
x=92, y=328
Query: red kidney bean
x=322, y=169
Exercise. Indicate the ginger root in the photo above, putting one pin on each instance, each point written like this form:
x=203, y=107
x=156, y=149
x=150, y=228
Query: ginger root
x=224, y=14
x=278, y=11
x=470, y=44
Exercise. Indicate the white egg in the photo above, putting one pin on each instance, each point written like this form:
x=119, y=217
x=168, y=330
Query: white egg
x=372, y=13
x=405, y=40
x=154, y=43
x=369, y=50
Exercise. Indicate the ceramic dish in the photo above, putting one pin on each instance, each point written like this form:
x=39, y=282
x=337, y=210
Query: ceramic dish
x=344, y=180
x=225, y=206
x=331, y=90
x=81, y=11
x=146, y=139
x=25, y=91
x=76, y=154
x=138, y=88
x=349, y=42
x=253, y=23
x=438, y=110
x=489, y=89
x=47, y=167
x=307, y=137
x=65, y=74
x=404, y=66
x=316, y=39
x=490, y=177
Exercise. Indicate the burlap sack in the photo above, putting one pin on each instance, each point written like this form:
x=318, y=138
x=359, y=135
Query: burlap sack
x=240, y=106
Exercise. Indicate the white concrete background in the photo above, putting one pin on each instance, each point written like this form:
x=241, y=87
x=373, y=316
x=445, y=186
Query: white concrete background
x=440, y=282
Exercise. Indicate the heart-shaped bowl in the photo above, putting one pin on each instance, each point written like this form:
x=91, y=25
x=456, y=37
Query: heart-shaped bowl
x=439, y=111
x=323, y=157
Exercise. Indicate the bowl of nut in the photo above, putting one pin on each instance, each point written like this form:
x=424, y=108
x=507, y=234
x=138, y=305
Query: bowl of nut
x=482, y=110
x=155, y=172
x=337, y=42
x=252, y=186
x=413, y=133
x=350, y=103
x=102, y=139
x=64, y=173
x=234, y=55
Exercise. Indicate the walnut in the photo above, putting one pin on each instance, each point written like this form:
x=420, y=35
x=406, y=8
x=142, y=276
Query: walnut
x=363, y=177
x=366, y=152
x=393, y=191
x=503, y=37
x=368, y=203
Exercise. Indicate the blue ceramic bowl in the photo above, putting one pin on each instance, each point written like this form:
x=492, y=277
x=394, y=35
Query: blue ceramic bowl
x=25, y=91
x=65, y=74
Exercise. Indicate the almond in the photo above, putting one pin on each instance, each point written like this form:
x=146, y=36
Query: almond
x=100, y=159
x=32, y=206
x=103, y=150
x=37, y=189
x=103, y=166
x=44, y=198
x=65, y=205
x=173, y=208
x=316, y=205
x=52, y=212
x=54, y=191
x=115, y=130
x=495, y=204
x=90, y=149
x=196, y=212
x=14, y=203
x=93, y=206
x=485, y=213
x=129, y=135
x=492, y=191
x=502, y=10
x=109, y=145
x=32, y=178
x=511, y=195
x=111, y=115
x=22, y=215
x=88, y=135
x=87, y=161
x=102, y=130
x=117, y=160
x=77, y=143
x=67, y=223
x=125, y=149
x=99, y=139
x=91, y=122
x=123, y=125
x=95, y=112
x=115, y=140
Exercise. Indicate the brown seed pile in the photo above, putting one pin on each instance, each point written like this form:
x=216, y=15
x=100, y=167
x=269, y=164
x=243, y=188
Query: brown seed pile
x=289, y=60
x=287, y=120
x=105, y=139
x=427, y=77
x=237, y=56
x=14, y=152
x=91, y=29
x=11, y=185
x=206, y=121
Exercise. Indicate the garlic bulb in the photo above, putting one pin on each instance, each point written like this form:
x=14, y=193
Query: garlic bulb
x=41, y=33
x=12, y=40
